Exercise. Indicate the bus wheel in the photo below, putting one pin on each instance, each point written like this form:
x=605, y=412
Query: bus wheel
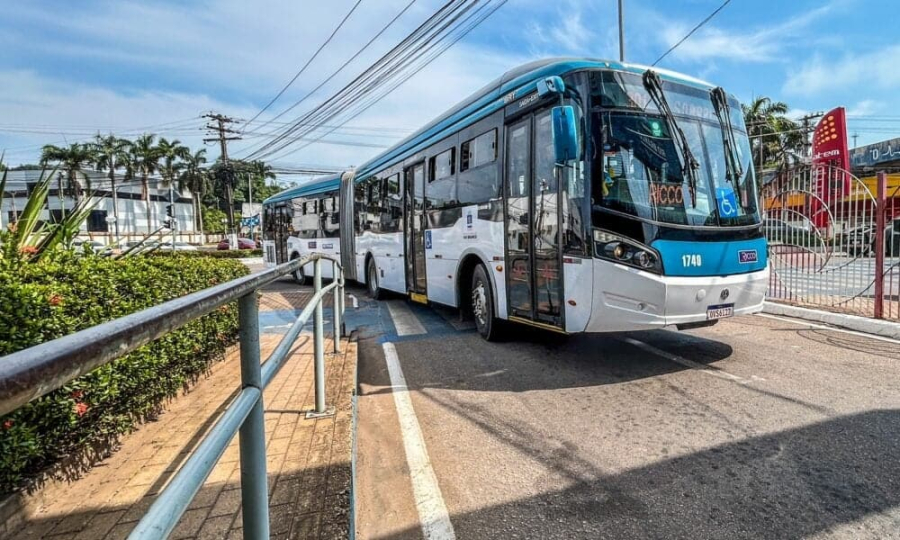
x=299, y=276
x=372, y=280
x=483, y=305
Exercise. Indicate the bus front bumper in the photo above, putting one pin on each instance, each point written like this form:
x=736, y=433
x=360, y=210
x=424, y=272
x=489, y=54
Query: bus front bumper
x=629, y=299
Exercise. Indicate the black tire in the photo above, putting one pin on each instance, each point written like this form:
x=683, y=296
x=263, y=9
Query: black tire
x=299, y=276
x=372, y=280
x=481, y=296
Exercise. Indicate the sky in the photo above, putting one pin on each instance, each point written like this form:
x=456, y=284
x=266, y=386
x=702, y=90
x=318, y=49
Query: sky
x=71, y=69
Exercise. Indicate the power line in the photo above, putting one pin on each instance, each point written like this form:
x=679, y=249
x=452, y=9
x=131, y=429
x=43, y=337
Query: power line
x=344, y=65
x=306, y=65
x=402, y=62
x=414, y=35
x=689, y=34
x=373, y=100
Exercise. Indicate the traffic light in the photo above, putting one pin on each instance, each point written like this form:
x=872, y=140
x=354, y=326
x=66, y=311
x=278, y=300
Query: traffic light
x=170, y=210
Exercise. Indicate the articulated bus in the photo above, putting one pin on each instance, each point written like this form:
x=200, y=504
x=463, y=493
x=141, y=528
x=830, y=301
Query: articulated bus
x=574, y=195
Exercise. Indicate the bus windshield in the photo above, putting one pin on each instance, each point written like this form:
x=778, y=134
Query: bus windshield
x=637, y=166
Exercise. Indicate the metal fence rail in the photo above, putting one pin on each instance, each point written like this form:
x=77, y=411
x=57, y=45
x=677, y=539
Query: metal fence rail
x=827, y=243
x=34, y=372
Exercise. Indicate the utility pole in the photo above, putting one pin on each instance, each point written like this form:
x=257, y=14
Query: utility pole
x=855, y=136
x=250, y=196
x=808, y=128
x=621, y=32
x=221, y=133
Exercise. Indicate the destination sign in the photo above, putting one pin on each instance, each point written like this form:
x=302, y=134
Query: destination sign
x=666, y=194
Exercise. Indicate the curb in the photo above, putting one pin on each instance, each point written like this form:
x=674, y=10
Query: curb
x=850, y=322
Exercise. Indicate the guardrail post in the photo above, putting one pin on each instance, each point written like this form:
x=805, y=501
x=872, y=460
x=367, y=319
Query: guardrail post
x=254, y=482
x=319, y=342
x=341, y=297
x=336, y=307
x=880, y=215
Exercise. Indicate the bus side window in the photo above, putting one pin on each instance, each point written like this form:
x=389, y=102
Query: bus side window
x=440, y=192
x=329, y=217
x=373, y=216
x=360, y=201
x=393, y=205
x=478, y=173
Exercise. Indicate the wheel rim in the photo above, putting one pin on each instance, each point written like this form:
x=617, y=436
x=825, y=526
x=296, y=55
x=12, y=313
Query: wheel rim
x=479, y=303
x=298, y=275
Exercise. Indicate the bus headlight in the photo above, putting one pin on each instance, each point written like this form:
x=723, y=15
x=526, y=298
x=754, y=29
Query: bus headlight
x=623, y=250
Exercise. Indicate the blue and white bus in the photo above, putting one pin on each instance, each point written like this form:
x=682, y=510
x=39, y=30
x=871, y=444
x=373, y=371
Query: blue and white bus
x=575, y=195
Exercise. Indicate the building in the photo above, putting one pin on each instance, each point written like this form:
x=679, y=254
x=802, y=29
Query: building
x=871, y=158
x=130, y=219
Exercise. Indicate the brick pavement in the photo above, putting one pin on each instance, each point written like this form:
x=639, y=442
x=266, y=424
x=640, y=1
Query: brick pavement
x=308, y=460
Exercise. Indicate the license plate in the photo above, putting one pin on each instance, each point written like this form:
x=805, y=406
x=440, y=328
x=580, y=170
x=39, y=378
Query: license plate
x=719, y=312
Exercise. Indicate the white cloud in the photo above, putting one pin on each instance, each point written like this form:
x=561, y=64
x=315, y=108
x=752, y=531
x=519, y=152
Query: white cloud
x=866, y=107
x=177, y=62
x=760, y=45
x=869, y=70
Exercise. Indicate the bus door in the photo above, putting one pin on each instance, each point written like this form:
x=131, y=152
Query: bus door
x=533, y=257
x=414, y=214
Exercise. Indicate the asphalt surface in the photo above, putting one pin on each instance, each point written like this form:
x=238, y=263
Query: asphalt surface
x=754, y=428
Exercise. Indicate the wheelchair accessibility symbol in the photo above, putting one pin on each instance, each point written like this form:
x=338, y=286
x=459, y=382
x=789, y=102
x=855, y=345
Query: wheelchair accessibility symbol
x=727, y=202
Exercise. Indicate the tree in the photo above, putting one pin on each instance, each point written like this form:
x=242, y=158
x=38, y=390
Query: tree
x=71, y=159
x=110, y=154
x=170, y=152
x=196, y=179
x=214, y=219
x=774, y=135
x=144, y=158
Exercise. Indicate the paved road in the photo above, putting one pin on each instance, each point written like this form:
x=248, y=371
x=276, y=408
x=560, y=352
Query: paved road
x=754, y=428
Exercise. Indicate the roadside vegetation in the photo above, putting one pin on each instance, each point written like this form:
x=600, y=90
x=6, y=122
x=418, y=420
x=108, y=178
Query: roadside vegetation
x=50, y=289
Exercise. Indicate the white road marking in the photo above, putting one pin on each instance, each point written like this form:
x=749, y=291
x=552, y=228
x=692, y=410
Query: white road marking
x=433, y=514
x=823, y=327
x=715, y=372
x=405, y=321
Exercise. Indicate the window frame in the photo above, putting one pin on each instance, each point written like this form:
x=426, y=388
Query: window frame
x=493, y=130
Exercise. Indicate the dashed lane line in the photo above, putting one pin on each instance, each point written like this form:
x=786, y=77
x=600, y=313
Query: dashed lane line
x=433, y=516
x=405, y=321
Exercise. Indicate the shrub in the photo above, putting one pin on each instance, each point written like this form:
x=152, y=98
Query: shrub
x=66, y=292
x=223, y=254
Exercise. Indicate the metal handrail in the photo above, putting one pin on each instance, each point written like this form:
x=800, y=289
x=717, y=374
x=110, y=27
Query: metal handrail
x=36, y=371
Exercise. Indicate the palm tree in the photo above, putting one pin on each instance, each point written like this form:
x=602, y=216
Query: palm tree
x=111, y=153
x=195, y=179
x=774, y=135
x=144, y=157
x=72, y=160
x=170, y=152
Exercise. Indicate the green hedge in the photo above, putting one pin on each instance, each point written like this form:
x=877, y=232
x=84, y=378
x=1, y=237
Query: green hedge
x=223, y=254
x=66, y=293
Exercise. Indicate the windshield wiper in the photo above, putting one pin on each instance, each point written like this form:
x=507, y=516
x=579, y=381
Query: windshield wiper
x=733, y=170
x=689, y=164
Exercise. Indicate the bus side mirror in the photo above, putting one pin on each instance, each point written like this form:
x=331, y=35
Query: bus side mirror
x=565, y=134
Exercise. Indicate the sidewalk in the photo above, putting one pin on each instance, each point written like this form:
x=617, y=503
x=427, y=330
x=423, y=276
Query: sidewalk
x=308, y=460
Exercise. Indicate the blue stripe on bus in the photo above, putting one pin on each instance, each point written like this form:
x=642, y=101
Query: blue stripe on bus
x=711, y=258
